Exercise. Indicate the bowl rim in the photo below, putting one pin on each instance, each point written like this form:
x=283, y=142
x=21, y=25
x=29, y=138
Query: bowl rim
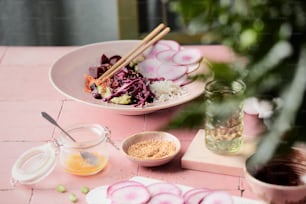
x=121, y=109
x=250, y=177
x=148, y=133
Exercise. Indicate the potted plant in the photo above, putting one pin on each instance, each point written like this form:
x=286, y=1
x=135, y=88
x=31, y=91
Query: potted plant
x=271, y=35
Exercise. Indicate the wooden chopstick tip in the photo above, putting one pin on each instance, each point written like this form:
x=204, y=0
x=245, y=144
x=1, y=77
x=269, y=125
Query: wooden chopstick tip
x=161, y=25
x=168, y=29
x=158, y=33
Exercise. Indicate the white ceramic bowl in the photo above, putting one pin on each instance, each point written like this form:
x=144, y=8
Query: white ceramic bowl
x=67, y=76
x=148, y=135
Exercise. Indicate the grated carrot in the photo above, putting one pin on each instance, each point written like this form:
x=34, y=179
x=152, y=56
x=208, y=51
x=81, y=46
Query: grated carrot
x=89, y=80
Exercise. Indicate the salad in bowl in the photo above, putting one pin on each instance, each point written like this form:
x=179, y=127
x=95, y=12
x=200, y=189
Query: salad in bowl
x=157, y=79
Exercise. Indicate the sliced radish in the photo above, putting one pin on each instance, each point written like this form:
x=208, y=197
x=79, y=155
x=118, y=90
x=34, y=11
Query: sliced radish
x=171, y=72
x=166, y=56
x=182, y=81
x=192, y=67
x=95, y=195
x=196, y=196
x=157, y=48
x=120, y=184
x=148, y=67
x=163, y=187
x=131, y=194
x=173, y=45
x=166, y=198
x=217, y=197
x=146, y=52
x=194, y=190
x=187, y=56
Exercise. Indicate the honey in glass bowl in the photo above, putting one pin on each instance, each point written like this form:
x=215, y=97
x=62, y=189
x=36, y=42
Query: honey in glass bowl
x=91, y=139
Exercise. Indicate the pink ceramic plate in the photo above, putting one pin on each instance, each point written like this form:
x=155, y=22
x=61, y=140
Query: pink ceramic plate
x=67, y=76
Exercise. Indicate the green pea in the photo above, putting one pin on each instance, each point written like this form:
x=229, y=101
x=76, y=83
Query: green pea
x=73, y=198
x=60, y=188
x=85, y=189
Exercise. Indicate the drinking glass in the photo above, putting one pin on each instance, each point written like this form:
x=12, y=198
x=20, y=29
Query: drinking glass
x=223, y=119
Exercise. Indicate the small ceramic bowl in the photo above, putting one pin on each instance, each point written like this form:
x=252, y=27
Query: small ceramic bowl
x=284, y=178
x=153, y=148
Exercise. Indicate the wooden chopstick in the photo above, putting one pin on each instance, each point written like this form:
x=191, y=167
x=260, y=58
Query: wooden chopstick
x=149, y=40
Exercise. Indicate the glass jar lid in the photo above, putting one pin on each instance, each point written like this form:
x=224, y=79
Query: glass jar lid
x=34, y=164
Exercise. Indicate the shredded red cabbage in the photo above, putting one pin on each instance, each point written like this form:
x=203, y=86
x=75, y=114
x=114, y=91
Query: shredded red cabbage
x=124, y=81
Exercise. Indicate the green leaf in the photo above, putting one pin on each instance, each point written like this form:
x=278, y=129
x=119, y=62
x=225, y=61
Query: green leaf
x=191, y=116
x=226, y=72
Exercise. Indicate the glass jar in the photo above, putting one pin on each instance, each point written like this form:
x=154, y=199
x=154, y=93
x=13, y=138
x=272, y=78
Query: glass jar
x=89, y=154
x=223, y=118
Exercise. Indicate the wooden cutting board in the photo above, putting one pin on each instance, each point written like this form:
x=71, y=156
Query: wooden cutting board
x=198, y=157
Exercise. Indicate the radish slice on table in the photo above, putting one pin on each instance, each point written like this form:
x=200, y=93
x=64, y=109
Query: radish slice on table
x=187, y=56
x=166, y=198
x=95, y=195
x=171, y=72
x=196, y=196
x=166, y=56
x=132, y=194
x=194, y=190
x=148, y=67
x=163, y=187
x=120, y=184
x=218, y=197
x=173, y=45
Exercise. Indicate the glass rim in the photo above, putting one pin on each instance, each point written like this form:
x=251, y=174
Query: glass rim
x=101, y=135
x=223, y=85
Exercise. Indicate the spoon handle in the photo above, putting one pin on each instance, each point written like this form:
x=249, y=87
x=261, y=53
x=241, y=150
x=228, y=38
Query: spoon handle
x=51, y=120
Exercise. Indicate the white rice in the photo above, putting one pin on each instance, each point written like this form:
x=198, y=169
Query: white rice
x=165, y=90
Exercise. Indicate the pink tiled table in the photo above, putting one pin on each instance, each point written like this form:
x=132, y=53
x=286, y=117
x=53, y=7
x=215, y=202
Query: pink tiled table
x=25, y=91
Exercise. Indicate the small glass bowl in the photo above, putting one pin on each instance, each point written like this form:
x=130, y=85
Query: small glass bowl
x=89, y=154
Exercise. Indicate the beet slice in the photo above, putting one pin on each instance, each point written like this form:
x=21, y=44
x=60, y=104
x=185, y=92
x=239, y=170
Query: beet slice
x=96, y=72
x=104, y=59
x=114, y=59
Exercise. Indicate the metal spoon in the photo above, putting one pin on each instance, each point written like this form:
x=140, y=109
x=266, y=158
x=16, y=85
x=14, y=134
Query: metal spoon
x=87, y=156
